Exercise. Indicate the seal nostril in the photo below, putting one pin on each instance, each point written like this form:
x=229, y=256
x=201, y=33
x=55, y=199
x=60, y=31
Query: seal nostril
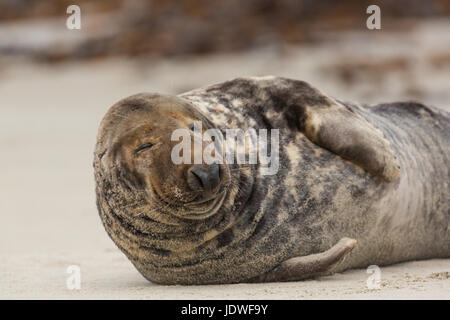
x=199, y=179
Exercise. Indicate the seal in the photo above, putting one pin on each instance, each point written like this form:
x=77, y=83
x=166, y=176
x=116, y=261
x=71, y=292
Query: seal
x=357, y=185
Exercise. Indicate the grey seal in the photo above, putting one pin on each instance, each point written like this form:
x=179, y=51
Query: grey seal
x=357, y=185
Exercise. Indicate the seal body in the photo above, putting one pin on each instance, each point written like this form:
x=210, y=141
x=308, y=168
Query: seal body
x=318, y=196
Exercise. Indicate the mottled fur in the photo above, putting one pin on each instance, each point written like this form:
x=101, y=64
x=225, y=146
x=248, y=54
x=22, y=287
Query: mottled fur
x=316, y=198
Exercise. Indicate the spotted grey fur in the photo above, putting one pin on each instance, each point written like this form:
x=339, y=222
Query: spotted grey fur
x=316, y=198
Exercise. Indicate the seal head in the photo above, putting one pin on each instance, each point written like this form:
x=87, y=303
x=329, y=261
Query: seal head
x=134, y=148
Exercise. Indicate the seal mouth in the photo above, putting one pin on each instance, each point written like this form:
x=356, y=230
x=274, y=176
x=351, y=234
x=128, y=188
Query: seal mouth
x=195, y=210
x=210, y=206
x=205, y=200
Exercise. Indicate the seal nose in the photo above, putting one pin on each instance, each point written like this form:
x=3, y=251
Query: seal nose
x=200, y=179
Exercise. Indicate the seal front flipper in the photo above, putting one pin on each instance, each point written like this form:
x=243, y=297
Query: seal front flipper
x=352, y=137
x=299, y=268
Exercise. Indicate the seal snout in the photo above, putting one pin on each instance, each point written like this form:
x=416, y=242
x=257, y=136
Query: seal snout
x=206, y=179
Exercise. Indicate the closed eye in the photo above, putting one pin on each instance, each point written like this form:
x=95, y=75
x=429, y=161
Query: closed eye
x=143, y=147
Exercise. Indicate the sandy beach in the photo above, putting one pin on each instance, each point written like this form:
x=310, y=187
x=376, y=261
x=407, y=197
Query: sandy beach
x=48, y=125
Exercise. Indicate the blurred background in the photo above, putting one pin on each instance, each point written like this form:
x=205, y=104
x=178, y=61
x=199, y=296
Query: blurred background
x=56, y=84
